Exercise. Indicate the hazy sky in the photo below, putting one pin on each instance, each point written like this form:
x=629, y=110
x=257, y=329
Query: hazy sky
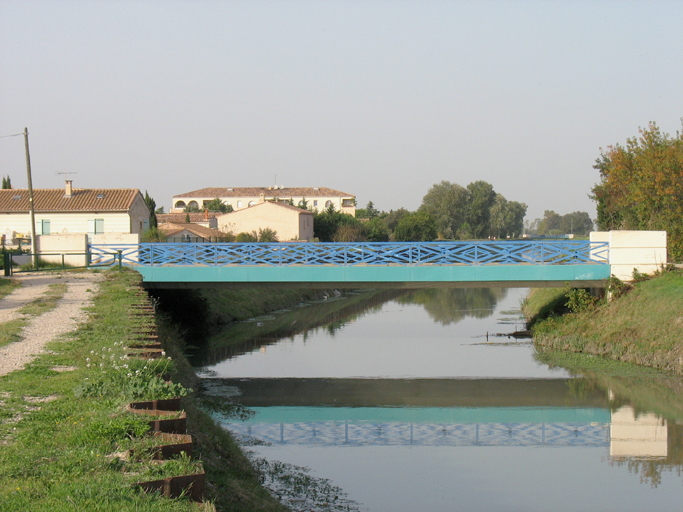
x=381, y=99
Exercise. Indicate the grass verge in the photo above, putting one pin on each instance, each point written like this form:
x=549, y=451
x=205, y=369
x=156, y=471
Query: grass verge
x=643, y=326
x=66, y=435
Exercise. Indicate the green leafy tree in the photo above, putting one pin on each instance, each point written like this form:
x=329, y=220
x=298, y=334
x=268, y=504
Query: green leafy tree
x=418, y=226
x=392, y=218
x=326, y=223
x=245, y=237
x=350, y=233
x=480, y=199
x=446, y=203
x=153, y=235
x=191, y=209
x=151, y=206
x=641, y=186
x=267, y=235
x=217, y=205
x=159, y=211
x=376, y=230
x=6, y=183
x=506, y=218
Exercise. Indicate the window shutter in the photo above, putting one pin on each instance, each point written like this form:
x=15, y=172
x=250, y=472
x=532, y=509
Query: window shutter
x=91, y=226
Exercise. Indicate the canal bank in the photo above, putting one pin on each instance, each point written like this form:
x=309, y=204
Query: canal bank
x=642, y=323
x=70, y=441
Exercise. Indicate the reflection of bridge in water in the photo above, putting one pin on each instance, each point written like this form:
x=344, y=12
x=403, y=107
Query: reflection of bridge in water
x=425, y=412
x=432, y=427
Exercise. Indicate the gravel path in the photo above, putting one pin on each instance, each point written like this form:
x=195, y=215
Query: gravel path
x=43, y=329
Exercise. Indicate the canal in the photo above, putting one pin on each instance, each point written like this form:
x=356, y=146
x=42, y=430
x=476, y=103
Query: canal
x=420, y=400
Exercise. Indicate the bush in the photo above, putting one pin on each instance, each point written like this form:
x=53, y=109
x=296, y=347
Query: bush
x=579, y=300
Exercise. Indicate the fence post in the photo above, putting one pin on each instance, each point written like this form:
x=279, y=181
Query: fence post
x=119, y=251
x=63, y=261
x=7, y=261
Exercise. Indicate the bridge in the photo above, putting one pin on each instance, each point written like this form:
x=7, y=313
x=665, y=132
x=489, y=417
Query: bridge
x=510, y=263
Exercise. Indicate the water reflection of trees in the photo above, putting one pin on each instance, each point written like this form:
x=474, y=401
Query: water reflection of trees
x=450, y=305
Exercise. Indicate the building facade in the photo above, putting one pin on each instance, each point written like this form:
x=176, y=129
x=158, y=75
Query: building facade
x=316, y=198
x=289, y=222
x=72, y=211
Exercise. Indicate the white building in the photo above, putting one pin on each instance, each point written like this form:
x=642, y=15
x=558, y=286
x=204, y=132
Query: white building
x=73, y=211
x=317, y=198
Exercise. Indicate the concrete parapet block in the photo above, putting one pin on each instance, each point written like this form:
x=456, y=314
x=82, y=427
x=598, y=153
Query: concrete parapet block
x=73, y=247
x=644, y=251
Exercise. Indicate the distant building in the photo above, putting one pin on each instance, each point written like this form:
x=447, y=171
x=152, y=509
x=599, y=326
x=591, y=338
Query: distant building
x=189, y=232
x=289, y=222
x=69, y=210
x=317, y=198
x=205, y=219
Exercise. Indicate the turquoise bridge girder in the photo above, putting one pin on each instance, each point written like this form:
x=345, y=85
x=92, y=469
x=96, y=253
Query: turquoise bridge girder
x=365, y=264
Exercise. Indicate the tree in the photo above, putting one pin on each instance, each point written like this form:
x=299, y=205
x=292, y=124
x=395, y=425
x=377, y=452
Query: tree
x=159, y=211
x=480, y=199
x=6, y=183
x=151, y=206
x=418, y=226
x=446, y=203
x=326, y=223
x=267, y=235
x=153, y=235
x=369, y=212
x=191, y=209
x=376, y=230
x=576, y=223
x=550, y=224
x=641, y=186
x=217, y=205
x=506, y=218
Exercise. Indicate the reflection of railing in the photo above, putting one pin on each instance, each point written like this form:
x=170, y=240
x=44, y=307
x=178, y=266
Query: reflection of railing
x=421, y=434
x=532, y=252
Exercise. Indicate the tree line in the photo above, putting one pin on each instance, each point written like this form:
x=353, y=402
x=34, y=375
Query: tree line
x=448, y=212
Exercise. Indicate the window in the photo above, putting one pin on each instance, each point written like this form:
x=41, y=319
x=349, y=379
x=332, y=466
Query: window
x=347, y=202
x=251, y=203
x=95, y=226
x=180, y=204
x=315, y=202
x=239, y=204
x=328, y=203
x=193, y=204
x=43, y=227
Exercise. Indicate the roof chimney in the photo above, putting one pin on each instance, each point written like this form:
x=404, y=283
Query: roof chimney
x=68, y=189
x=206, y=214
x=262, y=198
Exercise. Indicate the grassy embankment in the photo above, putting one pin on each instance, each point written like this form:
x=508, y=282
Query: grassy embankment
x=66, y=434
x=643, y=326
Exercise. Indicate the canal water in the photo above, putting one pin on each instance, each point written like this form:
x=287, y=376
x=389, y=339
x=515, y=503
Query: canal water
x=422, y=400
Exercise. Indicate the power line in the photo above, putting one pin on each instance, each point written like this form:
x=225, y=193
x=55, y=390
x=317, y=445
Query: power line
x=13, y=135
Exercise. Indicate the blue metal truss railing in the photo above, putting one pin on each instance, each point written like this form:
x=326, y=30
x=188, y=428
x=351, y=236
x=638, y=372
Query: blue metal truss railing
x=513, y=252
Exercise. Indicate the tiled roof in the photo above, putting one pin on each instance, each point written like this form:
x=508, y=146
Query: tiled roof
x=170, y=229
x=180, y=217
x=81, y=200
x=273, y=203
x=213, y=192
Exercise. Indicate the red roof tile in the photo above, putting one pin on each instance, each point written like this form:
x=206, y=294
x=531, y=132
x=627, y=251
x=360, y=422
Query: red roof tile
x=81, y=200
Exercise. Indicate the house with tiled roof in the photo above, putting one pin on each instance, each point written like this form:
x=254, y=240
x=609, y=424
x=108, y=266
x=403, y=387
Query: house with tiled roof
x=289, y=222
x=190, y=232
x=72, y=210
x=317, y=198
x=205, y=218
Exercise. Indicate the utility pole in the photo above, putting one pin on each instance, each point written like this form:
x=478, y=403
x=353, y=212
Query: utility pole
x=30, y=203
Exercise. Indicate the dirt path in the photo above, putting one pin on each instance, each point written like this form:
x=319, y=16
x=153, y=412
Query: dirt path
x=45, y=328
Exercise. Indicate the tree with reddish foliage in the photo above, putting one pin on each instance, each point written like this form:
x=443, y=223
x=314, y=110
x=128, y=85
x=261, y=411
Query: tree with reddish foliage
x=641, y=186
